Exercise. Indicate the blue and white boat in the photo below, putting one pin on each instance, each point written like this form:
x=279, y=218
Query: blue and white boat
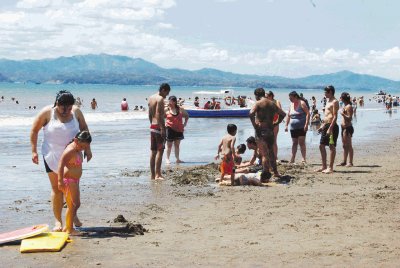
x=226, y=107
x=239, y=112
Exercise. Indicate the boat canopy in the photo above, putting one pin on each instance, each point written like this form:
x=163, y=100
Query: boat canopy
x=216, y=93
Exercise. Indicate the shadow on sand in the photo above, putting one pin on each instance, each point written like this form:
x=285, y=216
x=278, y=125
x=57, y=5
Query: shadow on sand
x=285, y=179
x=368, y=166
x=352, y=171
x=128, y=230
x=124, y=229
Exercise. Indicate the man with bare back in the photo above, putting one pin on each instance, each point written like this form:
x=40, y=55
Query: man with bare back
x=262, y=117
x=157, y=130
x=329, y=130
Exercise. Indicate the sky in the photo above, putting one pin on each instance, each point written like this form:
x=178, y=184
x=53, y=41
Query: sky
x=291, y=38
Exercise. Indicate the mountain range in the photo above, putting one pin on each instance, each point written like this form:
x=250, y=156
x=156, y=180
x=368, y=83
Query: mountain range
x=110, y=69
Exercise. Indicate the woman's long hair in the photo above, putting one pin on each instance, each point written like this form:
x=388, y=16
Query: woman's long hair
x=175, y=100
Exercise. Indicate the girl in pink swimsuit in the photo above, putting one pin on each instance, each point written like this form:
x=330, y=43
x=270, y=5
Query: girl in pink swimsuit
x=69, y=173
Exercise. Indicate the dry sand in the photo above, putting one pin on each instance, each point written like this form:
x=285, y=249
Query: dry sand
x=347, y=219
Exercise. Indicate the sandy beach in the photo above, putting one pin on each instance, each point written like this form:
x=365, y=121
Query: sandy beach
x=347, y=219
x=211, y=76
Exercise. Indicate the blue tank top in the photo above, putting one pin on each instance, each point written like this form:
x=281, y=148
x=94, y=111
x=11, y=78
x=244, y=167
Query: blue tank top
x=297, y=117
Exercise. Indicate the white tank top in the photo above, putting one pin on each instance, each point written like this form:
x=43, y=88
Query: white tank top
x=56, y=136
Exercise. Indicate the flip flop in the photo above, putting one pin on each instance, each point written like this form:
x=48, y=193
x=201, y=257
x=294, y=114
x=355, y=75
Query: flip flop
x=341, y=164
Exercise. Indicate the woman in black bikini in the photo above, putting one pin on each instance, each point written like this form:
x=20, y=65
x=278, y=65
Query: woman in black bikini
x=174, y=127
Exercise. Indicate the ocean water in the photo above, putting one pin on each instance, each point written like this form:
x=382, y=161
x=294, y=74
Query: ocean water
x=121, y=139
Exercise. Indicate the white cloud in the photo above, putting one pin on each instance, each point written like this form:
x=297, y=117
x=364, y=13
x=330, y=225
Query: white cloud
x=345, y=54
x=28, y=4
x=165, y=25
x=133, y=4
x=292, y=54
x=131, y=14
x=386, y=55
x=11, y=17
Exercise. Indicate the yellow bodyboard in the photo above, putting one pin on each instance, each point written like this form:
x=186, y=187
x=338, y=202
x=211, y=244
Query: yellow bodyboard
x=51, y=241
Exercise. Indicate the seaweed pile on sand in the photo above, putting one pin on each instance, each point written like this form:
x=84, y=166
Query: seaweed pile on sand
x=121, y=228
x=197, y=175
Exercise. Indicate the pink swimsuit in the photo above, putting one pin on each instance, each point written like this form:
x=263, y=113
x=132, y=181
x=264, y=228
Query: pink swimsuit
x=78, y=162
x=68, y=181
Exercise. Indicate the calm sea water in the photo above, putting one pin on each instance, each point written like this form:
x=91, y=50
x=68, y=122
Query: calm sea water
x=121, y=139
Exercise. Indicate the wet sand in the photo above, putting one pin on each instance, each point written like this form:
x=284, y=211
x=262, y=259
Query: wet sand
x=347, y=219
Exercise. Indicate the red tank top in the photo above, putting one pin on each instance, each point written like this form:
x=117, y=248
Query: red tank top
x=174, y=121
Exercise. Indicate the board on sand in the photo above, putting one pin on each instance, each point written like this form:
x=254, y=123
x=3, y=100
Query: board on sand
x=23, y=233
x=52, y=241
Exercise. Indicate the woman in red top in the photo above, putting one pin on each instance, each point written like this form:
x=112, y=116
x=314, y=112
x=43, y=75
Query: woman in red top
x=174, y=127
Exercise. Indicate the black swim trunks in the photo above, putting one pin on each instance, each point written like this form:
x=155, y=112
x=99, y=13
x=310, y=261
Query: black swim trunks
x=349, y=130
x=296, y=133
x=266, y=135
x=325, y=137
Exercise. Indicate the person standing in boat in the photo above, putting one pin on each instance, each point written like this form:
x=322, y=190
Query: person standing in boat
x=174, y=127
x=213, y=103
x=196, y=102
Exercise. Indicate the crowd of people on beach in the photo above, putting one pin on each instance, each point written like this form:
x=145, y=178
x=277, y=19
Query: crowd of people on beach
x=66, y=140
x=266, y=115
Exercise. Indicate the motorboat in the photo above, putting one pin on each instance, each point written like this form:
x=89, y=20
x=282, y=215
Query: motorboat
x=223, y=103
x=199, y=112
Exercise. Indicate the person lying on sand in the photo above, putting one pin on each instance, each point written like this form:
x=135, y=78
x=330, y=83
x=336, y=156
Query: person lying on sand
x=251, y=179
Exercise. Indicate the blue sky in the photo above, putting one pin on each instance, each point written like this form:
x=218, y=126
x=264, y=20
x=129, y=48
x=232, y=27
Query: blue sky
x=292, y=38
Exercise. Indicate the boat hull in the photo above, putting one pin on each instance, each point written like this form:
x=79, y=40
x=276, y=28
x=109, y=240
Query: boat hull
x=218, y=113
